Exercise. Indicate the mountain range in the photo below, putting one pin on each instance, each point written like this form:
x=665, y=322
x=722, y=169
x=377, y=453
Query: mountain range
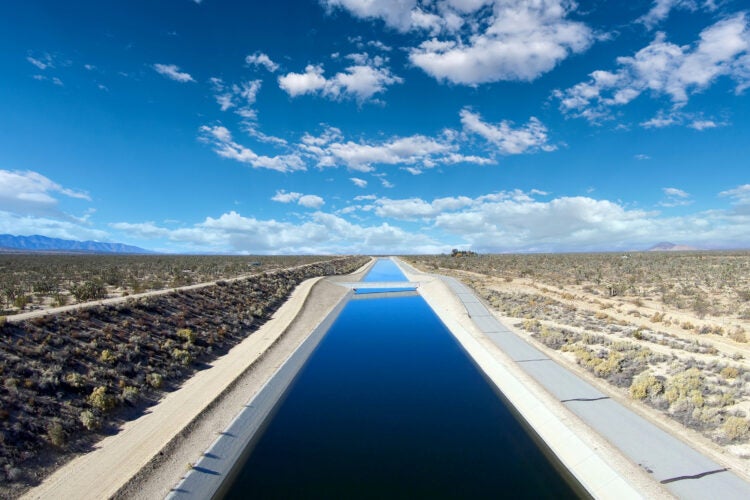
x=37, y=243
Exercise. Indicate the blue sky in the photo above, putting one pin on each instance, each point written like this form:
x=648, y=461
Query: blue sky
x=396, y=126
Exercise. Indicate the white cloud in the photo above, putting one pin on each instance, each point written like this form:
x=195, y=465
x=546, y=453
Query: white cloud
x=661, y=9
x=261, y=59
x=528, y=138
x=173, y=72
x=703, y=124
x=304, y=200
x=642, y=157
x=415, y=153
x=665, y=69
x=27, y=192
x=361, y=183
x=395, y=13
x=480, y=41
x=675, y=198
x=319, y=233
x=144, y=230
x=311, y=201
x=28, y=225
x=285, y=197
x=226, y=147
x=361, y=81
x=239, y=97
x=43, y=62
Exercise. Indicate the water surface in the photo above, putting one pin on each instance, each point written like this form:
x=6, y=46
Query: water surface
x=390, y=406
x=384, y=270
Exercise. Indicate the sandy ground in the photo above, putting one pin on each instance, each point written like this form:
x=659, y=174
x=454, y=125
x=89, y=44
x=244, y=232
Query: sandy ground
x=116, y=300
x=150, y=455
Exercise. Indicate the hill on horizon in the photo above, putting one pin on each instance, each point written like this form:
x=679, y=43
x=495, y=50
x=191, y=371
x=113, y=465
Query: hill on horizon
x=666, y=246
x=38, y=243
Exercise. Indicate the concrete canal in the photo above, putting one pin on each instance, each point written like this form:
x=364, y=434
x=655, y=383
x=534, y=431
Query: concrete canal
x=389, y=405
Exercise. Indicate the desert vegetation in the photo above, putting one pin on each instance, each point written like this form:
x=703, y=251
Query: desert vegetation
x=41, y=281
x=664, y=329
x=68, y=378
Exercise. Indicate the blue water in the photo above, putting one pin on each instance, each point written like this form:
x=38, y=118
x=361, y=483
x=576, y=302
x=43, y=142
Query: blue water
x=389, y=406
x=365, y=291
x=384, y=270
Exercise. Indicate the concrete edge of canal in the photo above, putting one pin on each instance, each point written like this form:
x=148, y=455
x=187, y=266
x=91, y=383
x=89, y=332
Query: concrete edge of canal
x=601, y=470
x=215, y=469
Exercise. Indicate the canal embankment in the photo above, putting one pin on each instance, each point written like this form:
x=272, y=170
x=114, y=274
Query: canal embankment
x=149, y=455
x=610, y=449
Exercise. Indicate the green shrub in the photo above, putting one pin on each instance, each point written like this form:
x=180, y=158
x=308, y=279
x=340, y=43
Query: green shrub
x=182, y=356
x=89, y=420
x=130, y=394
x=100, y=400
x=55, y=433
x=155, y=380
x=186, y=334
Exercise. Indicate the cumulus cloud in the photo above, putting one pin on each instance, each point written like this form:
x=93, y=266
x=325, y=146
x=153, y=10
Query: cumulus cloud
x=417, y=152
x=361, y=183
x=225, y=146
x=361, y=81
x=471, y=42
x=319, y=233
x=528, y=138
x=261, y=59
x=68, y=229
x=173, y=72
x=665, y=69
x=28, y=192
x=304, y=200
x=516, y=221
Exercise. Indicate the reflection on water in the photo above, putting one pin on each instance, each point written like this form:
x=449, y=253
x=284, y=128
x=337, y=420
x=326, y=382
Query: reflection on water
x=390, y=406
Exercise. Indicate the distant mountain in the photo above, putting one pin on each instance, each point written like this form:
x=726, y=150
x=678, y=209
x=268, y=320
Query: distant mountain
x=666, y=246
x=37, y=243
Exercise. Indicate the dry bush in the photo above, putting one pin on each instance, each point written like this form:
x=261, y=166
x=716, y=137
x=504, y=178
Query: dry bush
x=735, y=428
x=646, y=385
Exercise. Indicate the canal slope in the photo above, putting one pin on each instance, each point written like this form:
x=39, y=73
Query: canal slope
x=586, y=429
x=149, y=455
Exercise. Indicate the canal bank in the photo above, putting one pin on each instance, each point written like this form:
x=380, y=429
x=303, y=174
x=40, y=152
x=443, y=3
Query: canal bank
x=612, y=450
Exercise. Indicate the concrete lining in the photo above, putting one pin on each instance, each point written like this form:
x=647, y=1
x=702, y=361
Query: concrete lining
x=217, y=466
x=683, y=471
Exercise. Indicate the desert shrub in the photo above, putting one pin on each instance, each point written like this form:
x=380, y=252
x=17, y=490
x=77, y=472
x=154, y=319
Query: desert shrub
x=107, y=356
x=130, y=395
x=551, y=337
x=55, y=433
x=182, y=356
x=686, y=386
x=100, y=400
x=608, y=366
x=646, y=385
x=89, y=420
x=738, y=335
x=735, y=428
x=74, y=379
x=89, y=290
x=186, y=334
x=155, y=380
x=729, y=372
